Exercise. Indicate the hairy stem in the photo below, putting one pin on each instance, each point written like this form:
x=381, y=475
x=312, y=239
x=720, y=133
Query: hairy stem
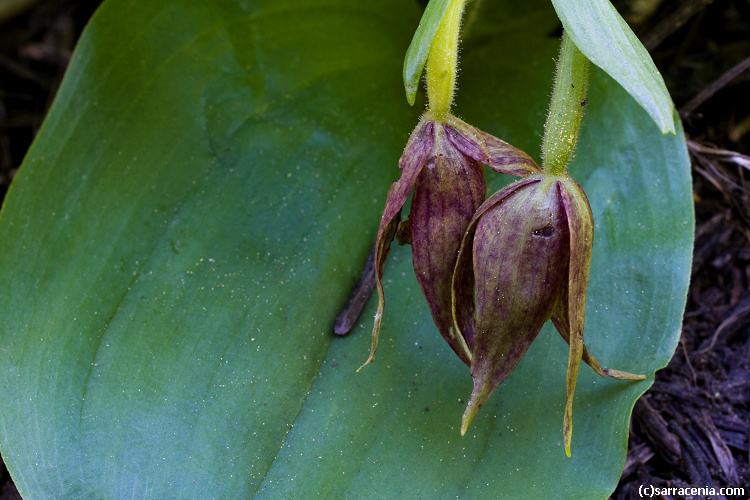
x=566, y=108
x=442, y=62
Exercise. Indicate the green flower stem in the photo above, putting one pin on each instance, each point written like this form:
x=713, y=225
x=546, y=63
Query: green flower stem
x=566, y=108
x=442, y=62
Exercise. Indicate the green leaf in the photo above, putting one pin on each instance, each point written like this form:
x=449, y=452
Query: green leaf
x=207, y=186
x=416, y=55
x=606, y=39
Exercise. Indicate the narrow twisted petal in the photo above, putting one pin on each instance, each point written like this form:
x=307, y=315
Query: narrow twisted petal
x=412, y=161
x=488, y=149
x=581, y=227
x=447, y=193
x=570, y=309
x=415, y=156
x=520, y=253
x=580, y=222
x=562, y=325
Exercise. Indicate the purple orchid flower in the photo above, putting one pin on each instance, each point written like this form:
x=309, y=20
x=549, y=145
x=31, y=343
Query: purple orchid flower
x=524, y=260
x=442, y=161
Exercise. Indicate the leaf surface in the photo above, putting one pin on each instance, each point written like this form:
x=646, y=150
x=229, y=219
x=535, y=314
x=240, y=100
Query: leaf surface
x=605, y=38
x=195, y=211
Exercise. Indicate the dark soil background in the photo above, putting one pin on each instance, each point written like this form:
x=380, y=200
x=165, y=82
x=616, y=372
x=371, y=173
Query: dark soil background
x=692, y=428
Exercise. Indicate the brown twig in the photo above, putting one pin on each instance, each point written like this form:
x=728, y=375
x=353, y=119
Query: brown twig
x=735, y=193
x=672, y=23
x=637, y=455
x=722, y=154
x=656, y=428
x=358, y=298
x=738, y=316
x=692, y=458
x=720, y=449
x=705, y=94
x=688, y=363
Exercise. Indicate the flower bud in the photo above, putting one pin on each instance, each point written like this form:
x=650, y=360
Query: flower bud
x=524, y=260
x=442, y=162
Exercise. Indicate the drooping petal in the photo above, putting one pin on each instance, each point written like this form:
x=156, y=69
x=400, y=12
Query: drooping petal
x=582, y=235
x=560, y=314
x=562, y=325
x=520, y=253
x=581, y=227
x=570, y=310
x=488, y=149
x=447, y=193
x=412, y=161
x=417, y=151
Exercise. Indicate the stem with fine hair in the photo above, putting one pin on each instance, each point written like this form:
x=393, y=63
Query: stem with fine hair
x=442, y=62
x=566, y=108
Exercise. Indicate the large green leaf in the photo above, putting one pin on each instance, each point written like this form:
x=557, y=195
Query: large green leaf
x=201, y=198
x=606, y=39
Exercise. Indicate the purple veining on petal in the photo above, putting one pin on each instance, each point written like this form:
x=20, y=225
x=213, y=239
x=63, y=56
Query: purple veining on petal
x=468, y=144
x=446, y=195
x=488, y=149
x=463, y=286
x=414, y=158
x=581, y=226
x=412, y=161
x=520, y=252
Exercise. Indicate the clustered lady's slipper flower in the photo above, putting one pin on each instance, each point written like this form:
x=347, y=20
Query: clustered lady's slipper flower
x=443, y=163
x=493, y=272
x=526, y=254
x=525, y=258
